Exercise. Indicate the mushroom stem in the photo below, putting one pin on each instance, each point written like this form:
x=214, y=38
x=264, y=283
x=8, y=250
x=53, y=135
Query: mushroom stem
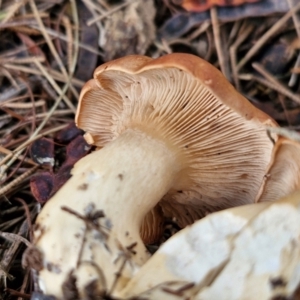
x=125, y=180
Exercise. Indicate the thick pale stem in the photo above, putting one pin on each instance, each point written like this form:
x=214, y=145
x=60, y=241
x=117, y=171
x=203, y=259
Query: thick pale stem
x=125, y=179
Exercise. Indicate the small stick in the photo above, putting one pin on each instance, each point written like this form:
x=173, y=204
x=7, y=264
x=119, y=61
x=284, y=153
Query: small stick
x=15, y=237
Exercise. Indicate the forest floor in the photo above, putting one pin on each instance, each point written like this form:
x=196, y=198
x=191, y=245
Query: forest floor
x=49, y=49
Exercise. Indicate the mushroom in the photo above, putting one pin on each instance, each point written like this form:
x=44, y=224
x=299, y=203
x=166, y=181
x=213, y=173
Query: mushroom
x=174, y=139
x=246, y=252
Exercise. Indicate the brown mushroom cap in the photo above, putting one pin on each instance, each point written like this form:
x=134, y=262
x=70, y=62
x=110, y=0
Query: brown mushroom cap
x=187, y=103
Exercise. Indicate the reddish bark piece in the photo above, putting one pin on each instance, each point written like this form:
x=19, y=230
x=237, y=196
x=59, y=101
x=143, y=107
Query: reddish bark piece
x=42, y=151
x=45, y=185
x=63, y=174
x=69, y=133
x=77, y=149
x=202, y=5
x=41, y=185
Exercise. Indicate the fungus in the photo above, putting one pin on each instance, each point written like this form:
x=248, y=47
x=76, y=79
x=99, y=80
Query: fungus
x=174, y=139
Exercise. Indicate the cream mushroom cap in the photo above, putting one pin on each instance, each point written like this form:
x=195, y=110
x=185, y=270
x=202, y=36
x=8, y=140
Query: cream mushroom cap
x=247, y=252
x=184, y=101
x=194, y=255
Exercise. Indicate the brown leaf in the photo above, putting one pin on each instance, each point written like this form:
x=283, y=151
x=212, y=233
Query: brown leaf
x=77, y=149
x=69, y=133
x=41, y=186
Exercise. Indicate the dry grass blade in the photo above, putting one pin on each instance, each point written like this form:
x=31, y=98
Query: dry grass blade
x=224, y=63
x=5, y=189
x=60, y=92
x=233, y=49
x=12, y=10
x=27, y=160
x=54, y=74
x=47, y=38
x=295, y=76
x=15, y=237
x=26, y=60
x=8, y=255
x=67, y=24
x=296, y=21
x=36, y=104
x=10, y=78
x=73, y=60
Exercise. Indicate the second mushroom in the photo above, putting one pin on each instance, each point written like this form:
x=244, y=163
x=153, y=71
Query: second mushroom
x=174, y=139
